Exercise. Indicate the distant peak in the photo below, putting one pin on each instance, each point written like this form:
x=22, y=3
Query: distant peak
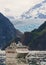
x=37, y=11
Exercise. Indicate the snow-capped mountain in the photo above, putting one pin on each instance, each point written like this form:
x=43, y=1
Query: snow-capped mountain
x=29, y=20
x=37, y=11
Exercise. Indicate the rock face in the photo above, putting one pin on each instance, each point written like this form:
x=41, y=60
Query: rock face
x=7, y=32
x=36, y=39
x=40, y=42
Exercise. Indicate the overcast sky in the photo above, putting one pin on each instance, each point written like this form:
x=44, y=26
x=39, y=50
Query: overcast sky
x=16, y=7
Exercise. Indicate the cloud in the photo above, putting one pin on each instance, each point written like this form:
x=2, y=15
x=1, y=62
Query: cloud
x=17, y=7
x=37, y=11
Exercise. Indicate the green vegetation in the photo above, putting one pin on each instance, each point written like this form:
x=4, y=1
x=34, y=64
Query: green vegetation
x=36, y=39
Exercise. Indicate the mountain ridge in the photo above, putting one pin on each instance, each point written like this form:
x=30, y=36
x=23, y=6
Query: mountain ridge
x=36, y=39
x=8, y=33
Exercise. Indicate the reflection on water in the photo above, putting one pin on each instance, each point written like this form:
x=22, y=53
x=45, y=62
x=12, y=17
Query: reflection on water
x=33, y=58
x=2, y=64
x=2, y=57
x=30, y=63
x=37, y=62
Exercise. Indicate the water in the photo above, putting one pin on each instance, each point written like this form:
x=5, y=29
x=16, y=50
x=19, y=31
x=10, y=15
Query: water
x=2, y=64
x=37, y=63
x=2, y=57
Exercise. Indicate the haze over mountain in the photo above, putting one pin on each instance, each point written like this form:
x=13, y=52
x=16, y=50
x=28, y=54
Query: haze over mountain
x=35, y=13
x=19, y=11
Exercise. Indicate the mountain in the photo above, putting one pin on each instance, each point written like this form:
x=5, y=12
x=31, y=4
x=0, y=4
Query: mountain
x=8, y=33
x=37, y=11
x=36, y=39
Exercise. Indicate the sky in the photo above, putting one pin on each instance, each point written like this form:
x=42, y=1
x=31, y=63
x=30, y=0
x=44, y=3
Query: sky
x=16, y=7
